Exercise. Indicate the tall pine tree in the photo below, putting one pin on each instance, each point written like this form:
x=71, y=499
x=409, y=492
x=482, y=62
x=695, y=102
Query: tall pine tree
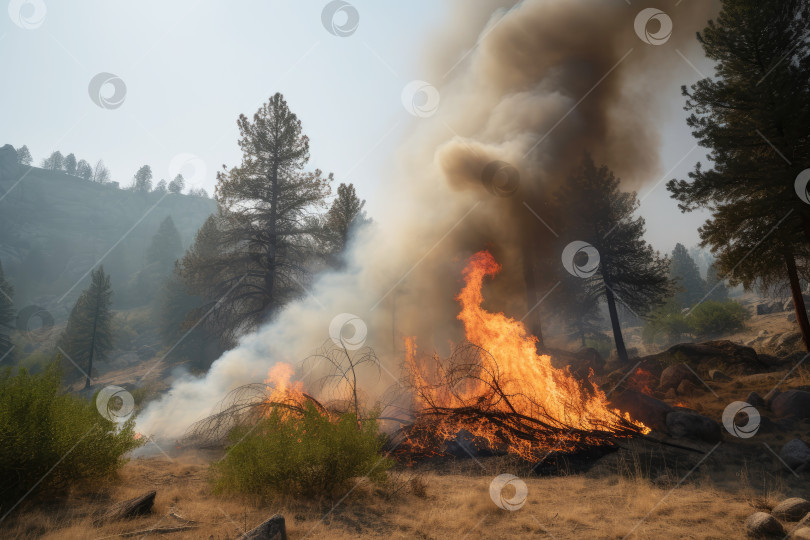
x=689, y=286
x=88, y=336
x=629, y=271
x=753, y=115
x=165, y=247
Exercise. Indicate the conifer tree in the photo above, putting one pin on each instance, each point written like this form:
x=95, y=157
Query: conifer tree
x=689, y=286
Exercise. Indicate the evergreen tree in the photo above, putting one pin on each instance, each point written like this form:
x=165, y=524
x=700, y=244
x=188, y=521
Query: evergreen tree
x=84, y=170
x=715, y=288
x=55, y=162
x=345, y=213
x=101, y=173
x=88, y=336
x=166, y=246
x=689, y=286
x=70, y=164
x=629, y=270
x=268, y=223
x=143, y=180
x=161, y=186
x=7, y=315
x=176, y=186
x=753, y=116
x=24, y=156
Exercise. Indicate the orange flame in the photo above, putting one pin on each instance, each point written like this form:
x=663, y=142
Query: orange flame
x=280, y=389
x=530, y=380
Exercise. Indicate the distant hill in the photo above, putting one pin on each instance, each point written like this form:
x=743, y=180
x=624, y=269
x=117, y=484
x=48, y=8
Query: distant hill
x=54, y=227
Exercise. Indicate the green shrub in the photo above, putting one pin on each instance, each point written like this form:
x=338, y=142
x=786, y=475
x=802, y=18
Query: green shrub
x=42, y=429
x=665, y=326
x=310, y=455
x=712, y=319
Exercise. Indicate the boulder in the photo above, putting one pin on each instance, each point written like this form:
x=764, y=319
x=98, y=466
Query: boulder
x=770, y=396
x=128, y=509
x=792, y=509
x=652, y=412
x=762, y=525
x=718, y=376
x=755, y=400
x=794, y=403
x=795, y=454
x=673, y=376
x=272, y=529
x=690, y=425
x=687, y=388
x=737, y=358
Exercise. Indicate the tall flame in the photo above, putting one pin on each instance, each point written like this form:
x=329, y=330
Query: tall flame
x=534, y=387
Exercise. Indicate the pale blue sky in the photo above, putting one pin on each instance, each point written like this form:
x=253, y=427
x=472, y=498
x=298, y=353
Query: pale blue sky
x=191, y=67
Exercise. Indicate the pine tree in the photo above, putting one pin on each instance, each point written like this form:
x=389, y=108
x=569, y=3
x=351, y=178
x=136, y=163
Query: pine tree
x=7, y=315
x=629, y=270
x=142, y=181
x=24, y=156
x=84, y=170
x=166, y=246
x=690, y=287
x=55, y=162
x=161, y=186
x=715, y=288
x=345, y=214
x=70, y=164
x=268, y=222
x=753, y=116
x=176, y=186
x=88, y=336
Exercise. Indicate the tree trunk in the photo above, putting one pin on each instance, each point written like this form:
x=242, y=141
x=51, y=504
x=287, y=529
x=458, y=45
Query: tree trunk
x=621, y=350
x=270, y=271
x=92, y=347
x=531, y=294
x=798, y=300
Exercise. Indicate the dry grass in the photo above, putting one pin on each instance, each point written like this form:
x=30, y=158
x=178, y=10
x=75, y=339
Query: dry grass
x=629, y=492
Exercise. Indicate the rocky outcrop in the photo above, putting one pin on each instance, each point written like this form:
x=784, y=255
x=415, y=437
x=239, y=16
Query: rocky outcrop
x=795, y=454
x=272, y=529
x=792, y=509
x=792, y=403
x=762, y=525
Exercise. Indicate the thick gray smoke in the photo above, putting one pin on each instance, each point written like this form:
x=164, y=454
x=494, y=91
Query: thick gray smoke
x=534, y=85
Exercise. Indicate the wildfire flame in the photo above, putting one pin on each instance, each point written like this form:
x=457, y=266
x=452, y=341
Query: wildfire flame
x=280, y=389
x=534, y=388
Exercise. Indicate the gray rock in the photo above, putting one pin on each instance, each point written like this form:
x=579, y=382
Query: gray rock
x=693, y=426
x=762, y=525
x=673, y=375
x=792, y=509
x=755, y=400
x=792, y=403
x=795, y=454
x=652, y=412
x=718, y=376
x=272, y=529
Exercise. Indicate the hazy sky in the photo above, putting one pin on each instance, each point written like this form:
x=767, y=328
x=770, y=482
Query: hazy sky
x=191, y=67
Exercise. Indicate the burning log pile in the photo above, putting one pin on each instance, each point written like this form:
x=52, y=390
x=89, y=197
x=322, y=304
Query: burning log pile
x=495, y=386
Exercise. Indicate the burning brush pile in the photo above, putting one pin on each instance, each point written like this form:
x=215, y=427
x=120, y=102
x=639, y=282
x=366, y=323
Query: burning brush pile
x=495, y=386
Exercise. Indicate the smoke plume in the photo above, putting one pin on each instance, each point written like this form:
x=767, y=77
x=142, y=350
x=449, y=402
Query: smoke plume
x=533, y=85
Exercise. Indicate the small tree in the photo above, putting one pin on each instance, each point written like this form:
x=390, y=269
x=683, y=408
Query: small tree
x=161, y=186
x=88, y=335
x=629, y=269
x=24, y=156
x=345, y=213
x=70, y=164
x=101, y=173
x=166, y=245
x=176, y=186
x=690, y=287
x=55, y=162
x=84, y=170
x=143, y=180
